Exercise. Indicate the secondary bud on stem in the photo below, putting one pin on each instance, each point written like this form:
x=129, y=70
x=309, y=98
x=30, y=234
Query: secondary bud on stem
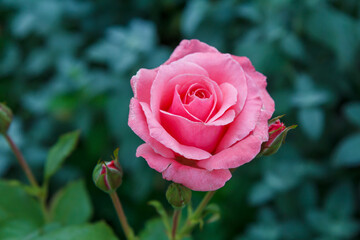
x=5, y=118
x=277, y=135
x=108, y=175
x=178, y=195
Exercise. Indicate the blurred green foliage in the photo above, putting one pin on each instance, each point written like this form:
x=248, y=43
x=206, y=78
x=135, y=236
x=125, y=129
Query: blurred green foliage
x=67, y=64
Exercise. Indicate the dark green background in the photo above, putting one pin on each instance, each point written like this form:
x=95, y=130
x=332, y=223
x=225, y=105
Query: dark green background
x=67, y=64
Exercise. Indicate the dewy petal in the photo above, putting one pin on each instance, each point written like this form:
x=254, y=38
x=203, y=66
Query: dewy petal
x=187, y=47
x=160, y=134
x=197, y=179
x=160, y=86
x=260, y=80
x=190, y=133
x=222, y=68
x=229, y=93
x=141, y=84
x=138, y=124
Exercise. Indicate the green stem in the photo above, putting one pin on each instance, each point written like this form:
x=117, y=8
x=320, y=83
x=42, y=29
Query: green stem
x=190, y=223
x=22, y=161
x=175, y=223
x=129, y=233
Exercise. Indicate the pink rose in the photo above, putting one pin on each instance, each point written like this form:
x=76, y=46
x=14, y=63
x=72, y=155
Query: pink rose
x=200, y=113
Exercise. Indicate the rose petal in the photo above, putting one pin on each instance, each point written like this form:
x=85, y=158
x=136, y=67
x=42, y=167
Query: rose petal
x=155, y=161
x=141, y=83
x=246, y=121
x=160, y=88
x=235, y=156
x=190, y=133
x=177, y=107
x=197, y=179
x=260, y=80
x=137, y=122
x=160, y=134
x=222, y=68
x=187, y=47
x=229, y=93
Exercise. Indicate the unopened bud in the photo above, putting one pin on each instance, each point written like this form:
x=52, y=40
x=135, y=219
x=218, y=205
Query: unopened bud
x=178, y=195
x=277, y=135
x=108, y=175
x=5, y=118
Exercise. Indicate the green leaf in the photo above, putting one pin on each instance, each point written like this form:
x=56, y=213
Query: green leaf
x=352, y=112
x=15, y=203
x=72, y=204
x=95, y=231
x=59, y=152
x=162, y=212
x=347, y=153
x=154, y=230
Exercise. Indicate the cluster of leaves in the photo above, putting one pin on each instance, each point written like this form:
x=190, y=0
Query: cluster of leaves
x=67, y=65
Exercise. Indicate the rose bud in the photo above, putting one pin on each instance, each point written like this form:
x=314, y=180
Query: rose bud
x=178, y=195
x=277, y=135
x=108, y=175
x=5, y=118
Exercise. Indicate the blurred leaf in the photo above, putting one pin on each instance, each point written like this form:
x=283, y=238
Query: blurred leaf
x=162, y=212
x=311, y=121
x=95, y=231
x=213, y=211
x=18, y=208
x=59, y=152
x=293, y=46
x=352, y=112
x=341, y=195
x=17, y=229
x=335, y=30
x=72, y=204
x=347, y=152
x=154, y=230
x=261, y=193
x=194, y=13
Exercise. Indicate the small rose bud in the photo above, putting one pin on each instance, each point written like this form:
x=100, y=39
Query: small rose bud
x=178, y=195
x=108, y=175
x=5, y=118
x=277, y=135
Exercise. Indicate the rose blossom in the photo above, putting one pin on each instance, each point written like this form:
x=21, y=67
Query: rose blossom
x=200, y=114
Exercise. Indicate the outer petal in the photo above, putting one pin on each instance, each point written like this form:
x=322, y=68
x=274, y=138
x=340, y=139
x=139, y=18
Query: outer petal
x=141, y=84
x=260, y=80
x=187, y=47
x=192, y=177
x=197, y=179
x=235, y=156
x=155, y=161
x=138, y=124
x=158, y=132
x=246, y=120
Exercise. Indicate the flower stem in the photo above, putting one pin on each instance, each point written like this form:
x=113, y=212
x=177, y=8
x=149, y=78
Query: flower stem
x=129, y=233
x=22, y=161
x=192, y=221
x=203, y=204
x=175, y=223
